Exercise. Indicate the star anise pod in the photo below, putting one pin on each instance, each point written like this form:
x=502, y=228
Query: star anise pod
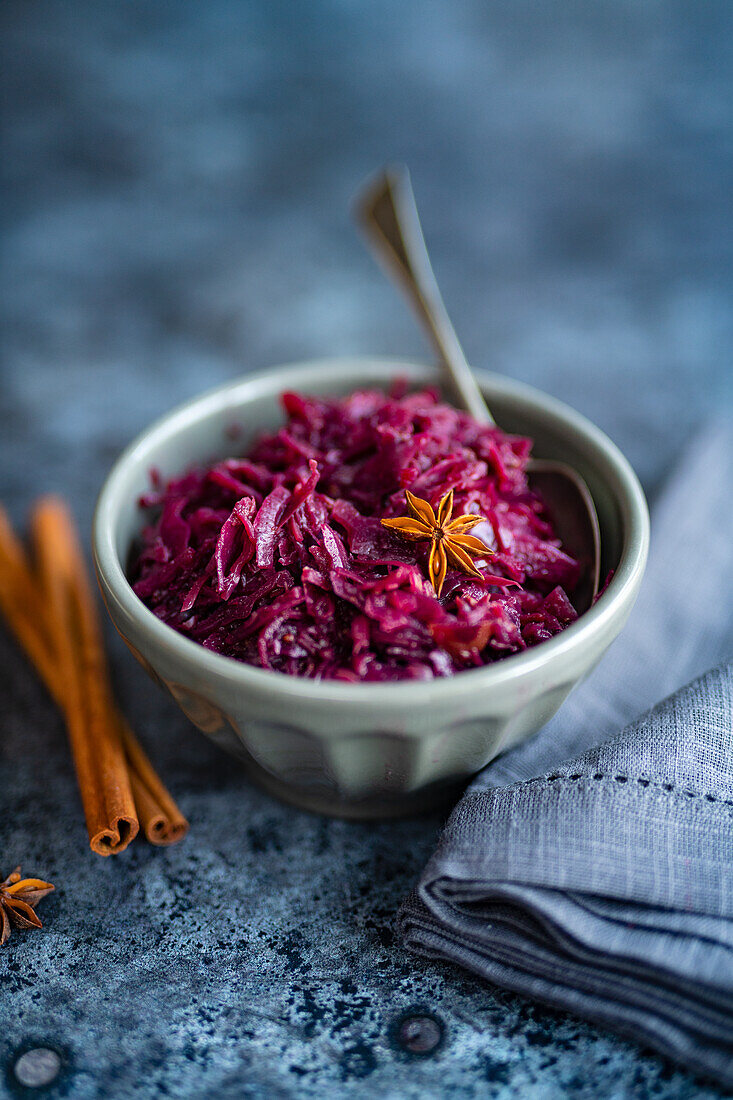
x=18, y=896
x=450, y=541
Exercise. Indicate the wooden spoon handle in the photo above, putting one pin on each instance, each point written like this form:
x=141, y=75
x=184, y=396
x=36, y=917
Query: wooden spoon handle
x=388, y=215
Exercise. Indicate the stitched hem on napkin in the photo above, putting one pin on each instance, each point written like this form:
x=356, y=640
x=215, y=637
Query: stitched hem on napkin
x=605, y=886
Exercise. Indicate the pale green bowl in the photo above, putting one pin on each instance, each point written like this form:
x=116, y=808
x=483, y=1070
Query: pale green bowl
x=367, y=750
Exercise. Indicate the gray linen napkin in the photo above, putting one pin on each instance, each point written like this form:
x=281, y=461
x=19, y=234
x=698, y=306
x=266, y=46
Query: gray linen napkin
x=604, y=885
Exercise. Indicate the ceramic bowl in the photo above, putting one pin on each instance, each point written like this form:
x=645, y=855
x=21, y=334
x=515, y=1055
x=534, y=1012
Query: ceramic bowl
x=367, y=750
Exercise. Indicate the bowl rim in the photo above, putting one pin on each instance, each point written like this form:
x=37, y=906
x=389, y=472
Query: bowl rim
x=594, y=622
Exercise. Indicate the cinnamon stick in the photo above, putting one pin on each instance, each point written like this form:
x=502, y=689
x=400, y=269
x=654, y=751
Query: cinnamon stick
x=161, y=820
x=62, y=637
x=21, y=608
x=95, y=739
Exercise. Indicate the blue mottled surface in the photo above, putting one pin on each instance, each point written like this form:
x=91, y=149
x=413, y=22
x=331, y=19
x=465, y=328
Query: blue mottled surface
x=175, y=187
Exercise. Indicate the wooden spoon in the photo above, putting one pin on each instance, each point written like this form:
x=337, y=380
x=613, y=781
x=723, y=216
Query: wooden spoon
x=388, y=214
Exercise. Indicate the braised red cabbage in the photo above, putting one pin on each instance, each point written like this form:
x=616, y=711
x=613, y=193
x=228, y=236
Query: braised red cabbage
x=279, y=558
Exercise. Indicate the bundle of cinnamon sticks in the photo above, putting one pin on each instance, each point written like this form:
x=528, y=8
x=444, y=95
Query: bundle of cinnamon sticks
x=48, y=603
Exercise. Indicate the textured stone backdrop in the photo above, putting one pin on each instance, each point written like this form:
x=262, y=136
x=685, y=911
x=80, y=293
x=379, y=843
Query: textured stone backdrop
x=176, y=179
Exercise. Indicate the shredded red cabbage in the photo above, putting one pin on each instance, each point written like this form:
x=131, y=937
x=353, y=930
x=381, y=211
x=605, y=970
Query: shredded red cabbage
x=279, y=558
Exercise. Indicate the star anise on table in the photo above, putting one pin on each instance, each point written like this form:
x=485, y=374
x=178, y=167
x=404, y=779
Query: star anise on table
x=450, y=540
x=18, y=897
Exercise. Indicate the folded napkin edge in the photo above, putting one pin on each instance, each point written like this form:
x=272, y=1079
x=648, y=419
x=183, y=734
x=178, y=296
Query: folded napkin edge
x=541, y=835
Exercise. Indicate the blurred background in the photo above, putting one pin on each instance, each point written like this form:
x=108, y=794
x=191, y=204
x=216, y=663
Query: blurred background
x=176, y=189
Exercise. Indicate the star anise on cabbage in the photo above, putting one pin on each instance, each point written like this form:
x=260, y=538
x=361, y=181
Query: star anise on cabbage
x=450, y=541
x=18, y=898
